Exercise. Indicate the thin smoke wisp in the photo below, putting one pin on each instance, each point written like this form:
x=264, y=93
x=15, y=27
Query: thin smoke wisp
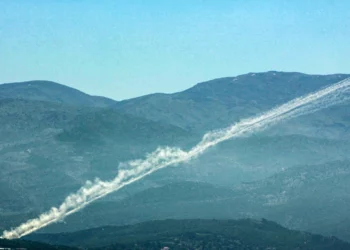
x=163, y=157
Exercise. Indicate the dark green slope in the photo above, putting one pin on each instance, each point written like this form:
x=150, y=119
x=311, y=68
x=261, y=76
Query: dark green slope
x=218, y=103
x=51, y=92
x=195, y=234
x=109, y=124
x=24, y=118
x=30, y=245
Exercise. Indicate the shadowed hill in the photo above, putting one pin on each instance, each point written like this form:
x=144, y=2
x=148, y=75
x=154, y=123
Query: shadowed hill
x=30, y=245
x=195, y=234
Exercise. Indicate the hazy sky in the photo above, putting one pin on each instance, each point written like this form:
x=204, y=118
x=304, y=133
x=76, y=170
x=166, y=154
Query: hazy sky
x=127, y=48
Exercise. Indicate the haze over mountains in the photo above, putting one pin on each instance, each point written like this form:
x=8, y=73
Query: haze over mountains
x=53, y=138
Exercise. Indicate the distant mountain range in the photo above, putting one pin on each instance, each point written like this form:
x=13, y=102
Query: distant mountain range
x=53, y=138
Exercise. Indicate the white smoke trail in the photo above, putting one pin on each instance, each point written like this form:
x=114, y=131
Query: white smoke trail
x=163, y=157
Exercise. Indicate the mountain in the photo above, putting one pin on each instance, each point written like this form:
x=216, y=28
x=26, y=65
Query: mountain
x=51, y=92
x=220, y=102
x=194, y=234
x=49, y=148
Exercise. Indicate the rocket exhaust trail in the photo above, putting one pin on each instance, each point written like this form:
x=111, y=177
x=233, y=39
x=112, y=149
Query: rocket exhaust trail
x=163, y=157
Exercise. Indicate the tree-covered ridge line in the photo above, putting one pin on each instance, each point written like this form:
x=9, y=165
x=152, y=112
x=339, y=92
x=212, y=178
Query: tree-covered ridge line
x=194, y=234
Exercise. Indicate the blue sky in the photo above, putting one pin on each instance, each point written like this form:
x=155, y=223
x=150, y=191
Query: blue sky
x=126, y=48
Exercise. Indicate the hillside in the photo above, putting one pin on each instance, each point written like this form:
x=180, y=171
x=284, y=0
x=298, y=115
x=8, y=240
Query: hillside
x=48, y=150
x=312, y=198
x=256, y=157
x=195, y=234
x=96, y=125
x=51, y=92
x=218, y=103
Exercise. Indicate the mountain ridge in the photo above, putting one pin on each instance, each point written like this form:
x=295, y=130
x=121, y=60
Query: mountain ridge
x=44, y=90
x=205, y=106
